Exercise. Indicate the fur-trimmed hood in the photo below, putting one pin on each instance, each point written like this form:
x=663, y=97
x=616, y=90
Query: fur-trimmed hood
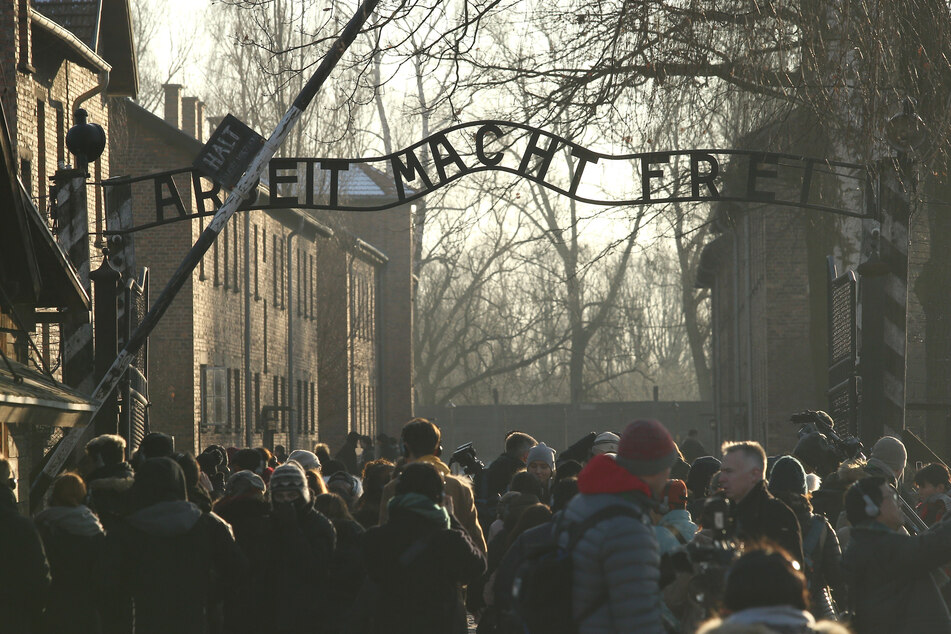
x=852, y=471
x=75, y=520
x=775, y=619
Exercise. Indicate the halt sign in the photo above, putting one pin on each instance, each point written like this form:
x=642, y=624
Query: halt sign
x=229, y=152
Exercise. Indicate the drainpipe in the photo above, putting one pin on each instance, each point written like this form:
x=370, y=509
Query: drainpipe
x=749, y=335
x=292, y=418
x=92, y=92
x=249, y=416
x=736, y=331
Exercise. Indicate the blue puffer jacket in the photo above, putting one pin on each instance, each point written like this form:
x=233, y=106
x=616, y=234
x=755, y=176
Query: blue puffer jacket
x=676, y=520
x=616, y=563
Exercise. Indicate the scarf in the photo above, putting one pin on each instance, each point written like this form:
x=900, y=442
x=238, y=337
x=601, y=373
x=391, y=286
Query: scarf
x=420, y=505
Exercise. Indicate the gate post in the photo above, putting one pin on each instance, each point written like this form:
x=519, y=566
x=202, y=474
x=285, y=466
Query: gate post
x=884, y=306
x=106, y=281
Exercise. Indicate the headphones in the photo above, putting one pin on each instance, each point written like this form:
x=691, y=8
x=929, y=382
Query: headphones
x=871, y=508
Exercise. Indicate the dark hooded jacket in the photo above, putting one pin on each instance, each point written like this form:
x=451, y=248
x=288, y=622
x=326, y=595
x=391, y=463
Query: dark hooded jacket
x=165, y=554
x=108, y=492
x=24, y=571
x=890, y=585
x=823, y=567
x=418, y=565
x=246, y=611
x=74, y=539
x=761, y=516
x=500, y=473
x=302, y=542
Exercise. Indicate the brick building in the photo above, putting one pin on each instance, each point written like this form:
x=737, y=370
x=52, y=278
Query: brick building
x=55, y=57
x=220, y=372
x=768, y=277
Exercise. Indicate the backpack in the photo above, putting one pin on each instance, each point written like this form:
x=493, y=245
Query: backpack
x=541, y=590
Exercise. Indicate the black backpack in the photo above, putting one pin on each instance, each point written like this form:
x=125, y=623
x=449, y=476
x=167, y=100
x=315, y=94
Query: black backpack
x=541, y=590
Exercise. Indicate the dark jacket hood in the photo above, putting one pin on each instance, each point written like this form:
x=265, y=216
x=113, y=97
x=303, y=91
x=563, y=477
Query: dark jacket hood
x=159, y=480
x=166, y=519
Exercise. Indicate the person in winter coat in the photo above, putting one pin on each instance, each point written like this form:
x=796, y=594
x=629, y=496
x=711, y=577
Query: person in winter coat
x=757, y=515
x=698, y=479
x=933, y=482
x=616, y=562
x=515, y=457
x=245, y=508
x=420, y=558
x=822, y=557
x=302, y=543
x=891, y=588
x=541, y=464
x=376, y=475
x=24, y=571
x=163, y=555
x=73, y=539
x=766, y=594
x=674, y=528
x=110, y=479
x=420, y=440
x=692, y=448
x=347, y=571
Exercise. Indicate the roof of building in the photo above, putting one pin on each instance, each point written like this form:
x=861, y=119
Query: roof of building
x=105, y=28
x=33, y=268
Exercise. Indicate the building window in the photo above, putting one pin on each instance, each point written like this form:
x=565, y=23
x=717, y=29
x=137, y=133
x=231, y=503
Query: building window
x=284, y=411
x=100, y=213
x=41, y=151
x=275, y=294
x=214, y=395
x=237, y=261
x=299, y=285
x=313, y=407
x=26, y=173
x=257, y=295
x=265, y=338
x=201, y=263
x=301, y=406
x=257, y=401
x=60, y=136
x=237, y=399
x=276, y=394
x=224, y=247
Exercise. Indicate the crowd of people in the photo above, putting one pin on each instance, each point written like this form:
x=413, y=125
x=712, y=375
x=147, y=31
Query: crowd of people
x=624, y=532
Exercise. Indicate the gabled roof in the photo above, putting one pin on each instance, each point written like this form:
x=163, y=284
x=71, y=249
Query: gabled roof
x=33, y=268
x=104, y=27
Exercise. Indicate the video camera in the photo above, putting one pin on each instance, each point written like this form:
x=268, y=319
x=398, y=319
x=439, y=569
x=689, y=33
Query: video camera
x=466, y=456
x=845, y=447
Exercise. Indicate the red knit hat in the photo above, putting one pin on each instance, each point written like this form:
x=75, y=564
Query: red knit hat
x=646, y=448
x=675, y=495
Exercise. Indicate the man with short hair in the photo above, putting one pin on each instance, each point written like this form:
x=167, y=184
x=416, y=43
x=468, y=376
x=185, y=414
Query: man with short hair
x=110, y=481
x=24, y=572
x=891, y=586
x=420, y=439
x=514, y=458
x=757, y=515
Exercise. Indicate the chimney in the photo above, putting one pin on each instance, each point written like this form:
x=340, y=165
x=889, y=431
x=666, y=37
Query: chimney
x=214, y=122
x=173, y=104
x=190, y=119
x=200, y=121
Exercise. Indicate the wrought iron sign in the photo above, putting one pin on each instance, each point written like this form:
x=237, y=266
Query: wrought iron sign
x=695, y=175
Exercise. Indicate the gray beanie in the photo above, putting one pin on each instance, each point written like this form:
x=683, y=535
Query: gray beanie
x=542, y=453
x=605, y=443
x=892, y=452
x=244, y=482
x=290, y=476
x=306, y=459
